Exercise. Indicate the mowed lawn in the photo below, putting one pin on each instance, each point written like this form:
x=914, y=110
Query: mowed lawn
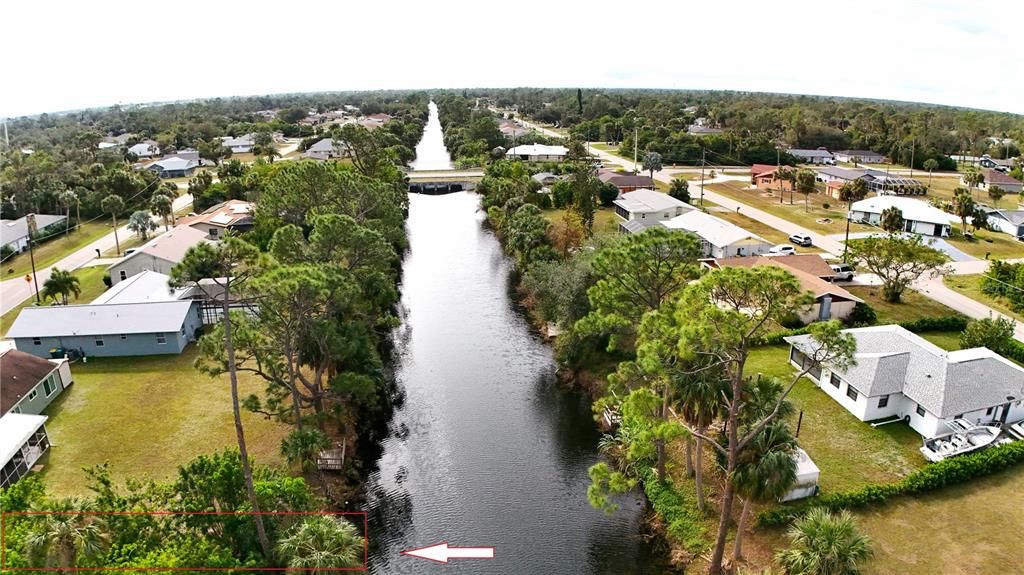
x=813, y=216
x=53, y=250
x=912, y=306
x=145, y=416
x=970, y=285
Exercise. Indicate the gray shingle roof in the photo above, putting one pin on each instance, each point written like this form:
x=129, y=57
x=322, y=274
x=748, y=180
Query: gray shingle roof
x=100, y=319
x=809, y=153
x=891, y=359
x=14, y=230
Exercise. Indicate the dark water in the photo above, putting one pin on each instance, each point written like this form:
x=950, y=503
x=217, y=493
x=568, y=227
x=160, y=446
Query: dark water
x=487, y=449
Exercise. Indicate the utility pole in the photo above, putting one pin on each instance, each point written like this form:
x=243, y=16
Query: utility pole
x=778, y=172
x=702, y=152
x=30, y=222
x=912, y=146
x=636, y=132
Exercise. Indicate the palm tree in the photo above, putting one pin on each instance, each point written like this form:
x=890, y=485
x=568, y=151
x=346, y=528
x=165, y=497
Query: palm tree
x=142, y=223
x=162, y=205
x=892, y=220
x=825, y=544
x=805, y=185
x=700, y=396
x=852, y=191
x=322, y=542
x=973, y=178
x=113, y=204
x=963, y=206
x=302, y=445
x=996, y=193
x=66, y=532
x=61, y=284
x=765, y=473
x=931, y=164
x=67, y=199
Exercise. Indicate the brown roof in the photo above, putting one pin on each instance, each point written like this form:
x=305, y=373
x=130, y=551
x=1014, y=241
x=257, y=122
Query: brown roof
x=19, y=373
x=624, y=180
x=762, y=170
x=809, y=282
x=1000, y=179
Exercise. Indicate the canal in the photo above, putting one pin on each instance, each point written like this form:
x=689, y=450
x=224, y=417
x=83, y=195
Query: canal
x=485, y=448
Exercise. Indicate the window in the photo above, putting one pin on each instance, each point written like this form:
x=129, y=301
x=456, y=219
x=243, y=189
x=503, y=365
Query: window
x=48, y=386
x=124, y=336
x=37, y=341
x=920, y=411
x=213, y=232
x=31, y=395
x=99, y=341
x=182, y=330
x=883, y=401
x=851, y=392
x=161, y=338
x=989, y=411
x=834, y=380
x=123, y=274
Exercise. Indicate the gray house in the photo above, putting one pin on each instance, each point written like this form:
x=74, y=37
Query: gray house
x=28, y=383
x=1007, y=221
x=173, y=167
x=14, y=233
x=110, y=329
x=160, y=254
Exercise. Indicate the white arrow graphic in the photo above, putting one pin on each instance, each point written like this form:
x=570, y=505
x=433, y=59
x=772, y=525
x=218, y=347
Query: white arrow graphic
x=441, y=552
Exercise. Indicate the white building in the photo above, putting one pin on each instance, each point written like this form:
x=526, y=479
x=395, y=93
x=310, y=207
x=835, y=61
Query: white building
x=14, y=233
x=859, y=156
x=900, y=374
x=719, y=238
x=241, y=145
x=918, y=216
x=819, y=156
x=147, y=149
x=1007, y=221
x=326, y=149
x=538, y=153
x=648, y=206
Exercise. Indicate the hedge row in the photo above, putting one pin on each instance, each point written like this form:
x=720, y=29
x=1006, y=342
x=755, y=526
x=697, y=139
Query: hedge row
x=678, y=509
x=935, y=476
x=1014, y=350
x=946, y=323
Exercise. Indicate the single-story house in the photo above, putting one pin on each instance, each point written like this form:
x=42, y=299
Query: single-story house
x=1007, y=221
x=538, y=153
x=878, y=181
x=241, y=145
x=719, y=238
x=696, y=130
x=173, y=167
x=830, y=301
x=23, y=441
x=764, y=176
x=14, y=233
x=28, y=383
x=147, y=286
x=859, y=156
x=841, y=175
x=233, y=215
x=818, y=156
x=546, y=178
x=900, y=374
x=649, y=205
x=145, y=149
x=160, y=254
x=114, y=141
x=108, y=329
x=1004, y=181
x=918, y=216
x=326, y=149
x=625, y=181
x=512, y=130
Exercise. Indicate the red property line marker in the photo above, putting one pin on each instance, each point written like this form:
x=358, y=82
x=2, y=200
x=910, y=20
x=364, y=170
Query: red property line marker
x=441, y=552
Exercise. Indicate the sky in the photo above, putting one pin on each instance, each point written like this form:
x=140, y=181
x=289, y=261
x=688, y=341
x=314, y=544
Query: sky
x=62, y=55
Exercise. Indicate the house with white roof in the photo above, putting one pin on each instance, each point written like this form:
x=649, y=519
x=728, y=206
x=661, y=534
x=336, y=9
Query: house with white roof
x=899, y=374
x=147, y=286
x=326, y=149
x=918, y=216
x=719, y=238
x=145, y=149
x=173, y=167
x=538, y=153
x=23, y=441
x=818, y=156
x=241, y=145
x=859, y=156
x=647, y=207
x=159, y=254
x=107, y=329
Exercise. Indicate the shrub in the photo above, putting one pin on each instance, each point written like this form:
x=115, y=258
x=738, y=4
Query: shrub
x=946, y=323
x=107, y=281
x=993, y=333
x=678, y=510
x=1014, y=350
x=935, y=476
x=826, y=205
x=862, y=315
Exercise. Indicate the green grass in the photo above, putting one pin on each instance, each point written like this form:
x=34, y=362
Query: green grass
x=145, y=416
x=52, y=251
x=849, y=452
x=605, y=147
x=605, y=220
x=947, y=340
x=755, y=226
x=794, y=212
x=913, y=305
x=987, y=244
x=89, y=279
x=132, y=241
x=970, y=286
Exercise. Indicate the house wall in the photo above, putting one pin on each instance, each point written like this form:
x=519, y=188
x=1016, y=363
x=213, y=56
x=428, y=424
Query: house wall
x=770, y=183
x=1001, y=225
x=748, y=247
x=917, y=227
x=214, y=232
x=138, y=263
x=837, y=310
x=59, y=378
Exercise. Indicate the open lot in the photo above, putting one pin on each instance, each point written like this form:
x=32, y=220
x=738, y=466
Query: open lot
x=815, y=218
x=52, y=251
x=970, y=285
x=913, y=305
x=90, y=280
x=987, y=244
x=605, y=220
x=145, y=416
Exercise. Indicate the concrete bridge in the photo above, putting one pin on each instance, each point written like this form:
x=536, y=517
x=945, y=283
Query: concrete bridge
x=443, y=181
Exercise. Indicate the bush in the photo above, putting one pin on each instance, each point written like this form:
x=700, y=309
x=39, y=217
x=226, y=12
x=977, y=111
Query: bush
x=862, y=315
x=947, y=323
x=935, y=476
x=826, y=205
x=1014, y=350
x=107, y=281
x=678, y=510
x=993, y=333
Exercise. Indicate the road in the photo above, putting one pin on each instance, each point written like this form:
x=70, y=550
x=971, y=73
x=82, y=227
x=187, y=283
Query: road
x=933, y=287
x=14, y=291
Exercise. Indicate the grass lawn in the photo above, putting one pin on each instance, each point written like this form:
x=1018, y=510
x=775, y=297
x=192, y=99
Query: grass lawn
x=145, y=416
x=89, y=279
x=605, y=147
x=987, y=243
x=970, y=285
x=794, y=212
x=605, y=220
x=132, y=241
x=913, y=306
x=849, y=452
x=756, y=227
x=51, y=252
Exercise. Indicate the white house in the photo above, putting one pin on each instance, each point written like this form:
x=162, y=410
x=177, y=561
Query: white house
x=241, y=145
x=1004, y=181
x=860, y=156
x=146, y=149
x=1007, y=221
x=900, y=374
x=326, y=149
x=14, y=233
x=819, y=156
x=719, y=238
x=918, y=216
x=649, y=206
x=160, y=254
x=538, y=153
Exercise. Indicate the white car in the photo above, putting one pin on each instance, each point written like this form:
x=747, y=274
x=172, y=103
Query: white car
x=842, y=272
x=782, y=250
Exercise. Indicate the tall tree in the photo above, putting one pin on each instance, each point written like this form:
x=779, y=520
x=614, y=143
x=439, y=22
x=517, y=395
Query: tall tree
x=163, y=206
x=897, y=261
x=61, y=284
x=67, y=199
x=68, y=532
x=264, y=146
x=767, y=470
x=680, y=189
x=113, y=205
x=227, y=264
x=805, y=184
x=213, y=150
x=963, y=206
x=141, y=222
x=931, y=164
x=652, y=163
x=852, y=191
x=996, y=193
x=891, y=220
x=973, y=178
x=823, y=543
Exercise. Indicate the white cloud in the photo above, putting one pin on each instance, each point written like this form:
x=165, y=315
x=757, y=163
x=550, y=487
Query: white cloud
x=64, y=55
